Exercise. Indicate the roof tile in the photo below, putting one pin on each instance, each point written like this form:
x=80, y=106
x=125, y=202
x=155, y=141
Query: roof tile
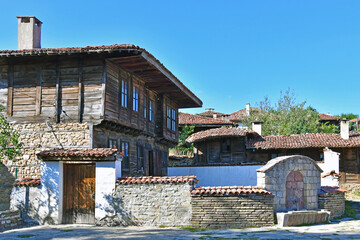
x=191, y=119
x=229, y=191
x=28, y=182
x=218, y=133
x=72, y=153
x=151, y=179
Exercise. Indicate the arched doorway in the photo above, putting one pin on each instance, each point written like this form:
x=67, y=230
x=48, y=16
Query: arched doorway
x=294, y=191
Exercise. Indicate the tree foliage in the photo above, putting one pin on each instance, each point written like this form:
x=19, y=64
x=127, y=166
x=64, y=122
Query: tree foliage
x=287, y=116
x=9, y=139
x=184, y=147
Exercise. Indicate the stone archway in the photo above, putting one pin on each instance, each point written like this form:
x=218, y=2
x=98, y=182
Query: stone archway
x=294, y=181
x=294, y=191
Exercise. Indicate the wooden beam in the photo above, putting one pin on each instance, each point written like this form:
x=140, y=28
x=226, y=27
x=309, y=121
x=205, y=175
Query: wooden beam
x=38, y=91
x=9, y=107
x=57, y=94
x=103, y=90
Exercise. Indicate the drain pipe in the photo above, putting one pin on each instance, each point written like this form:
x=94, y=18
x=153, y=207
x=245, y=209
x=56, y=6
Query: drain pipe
x=16, y=173
x=53, y=133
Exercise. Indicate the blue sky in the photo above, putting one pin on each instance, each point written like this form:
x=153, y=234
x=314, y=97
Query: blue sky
x=227, y=52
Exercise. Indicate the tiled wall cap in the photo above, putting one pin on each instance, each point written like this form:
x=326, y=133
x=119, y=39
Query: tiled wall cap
x=331, y=190
x=228, y=191
x=28, y=182
x=151, y=179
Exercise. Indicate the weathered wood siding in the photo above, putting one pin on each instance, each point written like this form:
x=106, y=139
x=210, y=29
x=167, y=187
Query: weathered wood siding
x=61, y=90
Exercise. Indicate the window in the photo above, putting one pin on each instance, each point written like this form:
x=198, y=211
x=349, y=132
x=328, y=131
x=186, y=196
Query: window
x=145, y=107
x=135, y=99
x=168, y=117
x=171, y=118
x=151, y=111
x=113, y=143
x=140, y=157
x=124, y=147
x=226, y=145
x=124, y=93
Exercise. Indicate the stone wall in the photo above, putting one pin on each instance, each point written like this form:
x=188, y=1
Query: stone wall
x=333, y=200
x=37, y=137
x=229, y=210
x=273, y=177
x=150, y=201
x=9, y=219
x=6, y=185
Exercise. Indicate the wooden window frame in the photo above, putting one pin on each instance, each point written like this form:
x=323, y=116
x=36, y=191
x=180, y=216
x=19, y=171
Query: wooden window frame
x=140, y=158
x=171, y=118
x=113, y=142
x=152, y=110
x=136, y=98
x=124, y=148
x=146, y=107
x=124, y=93
x=225, y=146
x=168, y=117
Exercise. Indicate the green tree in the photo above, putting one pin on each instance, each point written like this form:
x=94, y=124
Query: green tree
x=286, y=117
x=350, y=116
x=9, y=139
x=184, y=147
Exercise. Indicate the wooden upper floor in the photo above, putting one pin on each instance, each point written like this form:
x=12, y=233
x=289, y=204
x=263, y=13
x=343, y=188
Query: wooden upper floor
x=122, y=85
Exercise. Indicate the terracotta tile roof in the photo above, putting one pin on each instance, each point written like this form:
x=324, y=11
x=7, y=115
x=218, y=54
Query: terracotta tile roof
x=27, y=182
x=228, y=191
x=219, y=133
x=354, y=120
x=210, y=114
x=307, y=140
x=239, y=115
x=150, y=179
x=331, y=190
x=191, y=119
x=326, y=117
x=78, y=153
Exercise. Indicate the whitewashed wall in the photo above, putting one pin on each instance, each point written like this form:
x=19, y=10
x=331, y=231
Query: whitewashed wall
x=219, y=175
x=331, y=163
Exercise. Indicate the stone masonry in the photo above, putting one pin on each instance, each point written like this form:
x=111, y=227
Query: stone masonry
x=333, y=200
x=247, y=210
x=37, y=137
x=274, y=174
x=6, y=185
x=150, y=204
x=9, y=219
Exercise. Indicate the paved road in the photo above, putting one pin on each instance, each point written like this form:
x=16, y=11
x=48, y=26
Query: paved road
x=344, y=229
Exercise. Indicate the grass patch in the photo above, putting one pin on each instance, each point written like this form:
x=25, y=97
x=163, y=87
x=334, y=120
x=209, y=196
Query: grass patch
x=193, y=229
x=25, y=236
x=163, y=226
x=349, y=211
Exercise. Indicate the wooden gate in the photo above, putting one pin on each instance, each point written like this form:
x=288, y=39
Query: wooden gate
x=294, y=191
x=79, y=193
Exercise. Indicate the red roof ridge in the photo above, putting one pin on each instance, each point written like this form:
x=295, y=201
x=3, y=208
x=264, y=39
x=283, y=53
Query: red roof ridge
x=27, y=182
x=229, y=191
x=157, y=179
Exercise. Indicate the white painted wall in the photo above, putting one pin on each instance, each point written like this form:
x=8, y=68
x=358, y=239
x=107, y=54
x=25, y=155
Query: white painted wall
x=105, y=175
x=219, y=175
x=331, y=162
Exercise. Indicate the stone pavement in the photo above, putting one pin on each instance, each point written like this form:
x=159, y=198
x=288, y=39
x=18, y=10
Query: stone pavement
x=343, y=230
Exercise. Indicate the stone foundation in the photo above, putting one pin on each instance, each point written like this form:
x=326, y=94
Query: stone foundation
x=6, y=185
x=9, y=219
x=232, y=211
x=37, y=137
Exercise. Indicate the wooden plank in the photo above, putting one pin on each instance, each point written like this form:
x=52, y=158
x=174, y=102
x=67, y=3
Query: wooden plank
x=9, y=106
x=57, y=94
x=81, y=92
x=38, y=92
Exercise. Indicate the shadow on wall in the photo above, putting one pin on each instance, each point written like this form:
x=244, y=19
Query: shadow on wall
x=116, y=214
x=6, y=185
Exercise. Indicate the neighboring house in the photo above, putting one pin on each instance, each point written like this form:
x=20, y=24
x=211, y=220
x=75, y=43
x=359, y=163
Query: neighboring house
x=227, y=146
x=328, y=119
x=117, y=96
x=201, y=123
x=238, y=116
x=356, y=121
x=210, y=113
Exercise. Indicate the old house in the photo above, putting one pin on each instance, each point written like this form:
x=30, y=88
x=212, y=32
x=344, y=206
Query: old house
x=238, y=116
x=328, y=119
x=210, y=113
x=237, y=146
x=86, y=102
x=117, y=96
x=200, y=122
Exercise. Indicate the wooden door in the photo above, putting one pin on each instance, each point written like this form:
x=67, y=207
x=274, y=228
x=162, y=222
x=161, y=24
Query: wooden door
x=294, y=191
x=79, y=193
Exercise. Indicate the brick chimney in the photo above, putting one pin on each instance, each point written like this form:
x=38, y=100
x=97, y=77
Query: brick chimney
x=247, y=109
x=344, y=129
x=29, y=32
x=257, y=127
